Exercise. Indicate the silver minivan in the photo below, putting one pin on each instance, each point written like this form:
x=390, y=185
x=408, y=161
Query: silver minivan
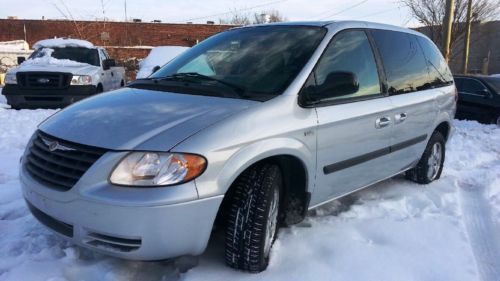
x=247, y=130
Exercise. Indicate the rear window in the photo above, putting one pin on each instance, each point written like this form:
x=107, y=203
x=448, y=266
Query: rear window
x=403, y=60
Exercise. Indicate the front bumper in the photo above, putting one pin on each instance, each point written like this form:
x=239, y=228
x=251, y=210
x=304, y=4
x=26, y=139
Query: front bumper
x=123, y=222
x=19, y=97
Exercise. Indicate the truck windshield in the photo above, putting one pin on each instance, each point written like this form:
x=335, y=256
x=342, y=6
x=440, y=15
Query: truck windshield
x=78, y=54
x=257, y=62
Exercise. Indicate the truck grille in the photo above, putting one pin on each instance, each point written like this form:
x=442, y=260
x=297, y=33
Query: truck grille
x=59, y=164
x=44, y=80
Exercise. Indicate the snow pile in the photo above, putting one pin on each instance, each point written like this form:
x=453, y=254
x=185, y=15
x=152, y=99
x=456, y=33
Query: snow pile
x=158, y=56
x=47, y=59
x=61, y=43
x=395, y=230
x=13, y=46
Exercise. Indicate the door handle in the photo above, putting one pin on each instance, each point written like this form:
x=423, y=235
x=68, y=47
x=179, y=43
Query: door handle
x=400, y=118
x=382, y=122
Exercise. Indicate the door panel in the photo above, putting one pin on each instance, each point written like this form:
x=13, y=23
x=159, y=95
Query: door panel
x=352, y=152
x=354, y=122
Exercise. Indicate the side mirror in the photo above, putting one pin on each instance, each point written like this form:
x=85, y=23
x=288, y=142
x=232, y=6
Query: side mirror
x=336, y=84
x=21, y=60
x=108, y=63
x=156, y=68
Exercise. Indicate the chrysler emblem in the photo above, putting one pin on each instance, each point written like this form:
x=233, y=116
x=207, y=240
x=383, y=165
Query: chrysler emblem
x=43, y=80
x=54, y=145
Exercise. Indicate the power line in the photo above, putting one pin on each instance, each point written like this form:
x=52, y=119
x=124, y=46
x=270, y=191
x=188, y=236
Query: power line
x=379, y=13
x=235, y=11
x=341, y=11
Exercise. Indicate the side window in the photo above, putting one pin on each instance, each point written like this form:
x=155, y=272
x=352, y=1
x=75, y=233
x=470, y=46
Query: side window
x=471, y=86
x=404, y=62
x=438, y=68
x=347, y=69
x=102, y=55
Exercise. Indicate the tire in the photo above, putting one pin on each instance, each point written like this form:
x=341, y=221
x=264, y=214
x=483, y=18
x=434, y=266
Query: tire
x=430, y=165
x=99, y=89
x=252, y=222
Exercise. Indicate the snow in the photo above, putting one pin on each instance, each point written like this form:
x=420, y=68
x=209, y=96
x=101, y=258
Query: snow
x=158, y=56
x=495, y=75
x=395, y=230
x=61, y=43
x=13, y=46
x=47, y=59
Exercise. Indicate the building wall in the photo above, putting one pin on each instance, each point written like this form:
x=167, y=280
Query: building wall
x=109, y=33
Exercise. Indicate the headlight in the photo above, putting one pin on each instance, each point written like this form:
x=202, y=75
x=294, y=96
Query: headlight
x=10, y=78
x=157, y=169
x=81, y=80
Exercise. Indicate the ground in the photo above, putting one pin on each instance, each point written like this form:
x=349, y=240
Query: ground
x=395, y=230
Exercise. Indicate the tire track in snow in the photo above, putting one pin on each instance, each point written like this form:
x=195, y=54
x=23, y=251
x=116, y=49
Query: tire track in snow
x=481, y=230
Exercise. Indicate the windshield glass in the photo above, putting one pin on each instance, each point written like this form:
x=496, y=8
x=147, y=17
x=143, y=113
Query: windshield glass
x=494, y=82
x=259, y=61
x=78, y=54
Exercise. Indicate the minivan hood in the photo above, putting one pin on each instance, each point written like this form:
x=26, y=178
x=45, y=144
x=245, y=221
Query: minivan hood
x=136, y=119
x=83, y=69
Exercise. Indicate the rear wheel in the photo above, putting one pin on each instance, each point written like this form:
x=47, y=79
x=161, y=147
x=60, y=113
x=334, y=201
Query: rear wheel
x=252, y=223
x=430, y=166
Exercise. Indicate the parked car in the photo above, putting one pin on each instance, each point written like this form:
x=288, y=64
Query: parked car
x=60, y=72
x=249, y=129
x=478, y=98
x=158, y=57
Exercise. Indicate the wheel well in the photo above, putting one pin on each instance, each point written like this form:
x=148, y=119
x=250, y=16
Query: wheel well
x=444, y=129
x=99, y=86
x=295, y=198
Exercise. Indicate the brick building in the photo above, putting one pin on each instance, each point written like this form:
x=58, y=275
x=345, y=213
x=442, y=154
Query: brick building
x=125, y=41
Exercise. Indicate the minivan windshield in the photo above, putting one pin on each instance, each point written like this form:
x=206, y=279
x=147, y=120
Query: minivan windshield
x=255, y=63
x=78, y=54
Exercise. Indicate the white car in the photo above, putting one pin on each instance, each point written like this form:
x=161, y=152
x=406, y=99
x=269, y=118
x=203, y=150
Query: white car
x=61, y=72
x=158, y=57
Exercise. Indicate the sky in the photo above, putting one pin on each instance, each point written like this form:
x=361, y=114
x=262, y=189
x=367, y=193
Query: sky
x=175, y=11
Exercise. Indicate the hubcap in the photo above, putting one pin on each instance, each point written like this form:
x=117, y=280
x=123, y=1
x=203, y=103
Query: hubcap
x=272, y=221
x=434, y=161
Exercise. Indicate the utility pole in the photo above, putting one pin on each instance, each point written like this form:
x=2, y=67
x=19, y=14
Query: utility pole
x=467, y=37
x=447, y=26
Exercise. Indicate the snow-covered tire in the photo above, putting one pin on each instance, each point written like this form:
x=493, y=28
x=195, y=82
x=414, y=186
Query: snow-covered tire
x=252, y=222
x=430, y=165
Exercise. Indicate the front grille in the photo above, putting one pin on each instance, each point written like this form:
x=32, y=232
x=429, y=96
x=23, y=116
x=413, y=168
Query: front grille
x=44, y=80
x=59, y=164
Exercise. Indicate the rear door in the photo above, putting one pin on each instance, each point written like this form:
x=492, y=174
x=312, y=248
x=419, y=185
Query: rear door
x=414, y=86
x=354, y=127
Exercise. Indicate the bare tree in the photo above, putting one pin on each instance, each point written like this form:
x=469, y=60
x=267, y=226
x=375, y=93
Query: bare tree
x=430, y=13
x=258, y=18
x=269, y=16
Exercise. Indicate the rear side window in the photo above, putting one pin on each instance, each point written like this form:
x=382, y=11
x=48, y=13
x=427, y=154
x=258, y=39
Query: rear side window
x=403, y=60
x=350, y=52
x=439, y=71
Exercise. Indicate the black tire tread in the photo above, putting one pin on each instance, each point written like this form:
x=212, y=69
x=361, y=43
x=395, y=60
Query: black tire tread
x=247, y=218
x=418, y=174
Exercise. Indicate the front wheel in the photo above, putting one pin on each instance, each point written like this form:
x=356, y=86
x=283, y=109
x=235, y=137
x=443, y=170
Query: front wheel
x=430, y=166
x=252, y=223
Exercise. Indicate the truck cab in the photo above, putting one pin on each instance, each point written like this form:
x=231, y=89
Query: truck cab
x=60, y=72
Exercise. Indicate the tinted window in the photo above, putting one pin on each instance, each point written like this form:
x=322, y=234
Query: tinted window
x=349, y=52
x=260, y=61
x=471, y=86
x=439, y=71
x=494, y=83
x=403, y=60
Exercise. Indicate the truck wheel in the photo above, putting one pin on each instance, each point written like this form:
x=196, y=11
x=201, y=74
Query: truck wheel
x=430, y=166
x=122, y=83
x=99, y=89
x=252, y=222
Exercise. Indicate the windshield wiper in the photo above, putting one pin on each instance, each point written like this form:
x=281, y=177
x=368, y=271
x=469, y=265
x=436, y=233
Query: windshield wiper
x=187, y=76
